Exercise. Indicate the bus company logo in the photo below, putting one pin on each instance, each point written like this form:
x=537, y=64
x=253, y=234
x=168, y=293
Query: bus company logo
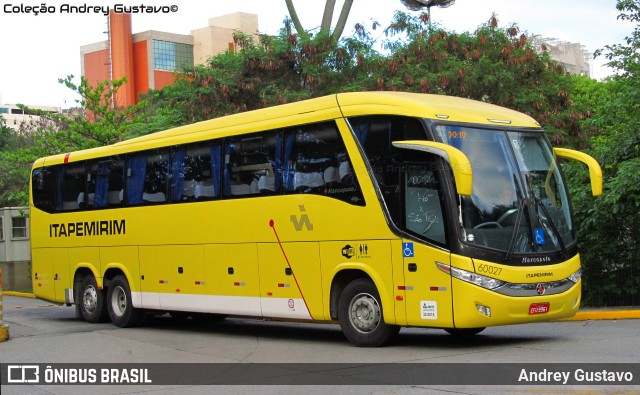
x=304, y=220
x=540, y=289
x=348, y=251
x=92, y=228
x=534, y=275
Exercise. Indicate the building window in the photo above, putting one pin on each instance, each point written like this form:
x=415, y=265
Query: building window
x=172, y=56
x=19, y=227
x=1, y=228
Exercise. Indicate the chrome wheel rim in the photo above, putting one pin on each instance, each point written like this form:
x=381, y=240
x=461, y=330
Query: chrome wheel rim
x=364, y=313
x=90, y=299
x=119, y=301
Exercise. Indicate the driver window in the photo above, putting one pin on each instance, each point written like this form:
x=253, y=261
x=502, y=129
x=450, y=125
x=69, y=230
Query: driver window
x=423, y=208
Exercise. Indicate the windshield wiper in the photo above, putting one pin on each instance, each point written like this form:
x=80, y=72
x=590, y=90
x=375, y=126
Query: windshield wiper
x=521, y=206
x=555, y=230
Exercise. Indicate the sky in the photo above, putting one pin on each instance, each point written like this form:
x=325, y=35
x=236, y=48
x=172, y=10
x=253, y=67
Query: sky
x=37, y=50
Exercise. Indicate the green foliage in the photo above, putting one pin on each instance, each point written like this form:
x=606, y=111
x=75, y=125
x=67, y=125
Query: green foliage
x=15, y=161
x=97, y=122
x=493, y=65
x=609, y=231
x=276, y=70
x=5, y=133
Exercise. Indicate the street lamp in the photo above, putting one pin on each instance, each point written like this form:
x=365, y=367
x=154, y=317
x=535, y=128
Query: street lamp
x=416, y=5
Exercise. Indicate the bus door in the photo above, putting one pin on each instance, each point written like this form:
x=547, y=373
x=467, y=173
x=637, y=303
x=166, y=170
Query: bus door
x=428, y=294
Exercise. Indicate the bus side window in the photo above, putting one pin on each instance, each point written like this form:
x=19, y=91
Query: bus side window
x=316, y=161
x=44, y=188
x=136, y=170
x=251, y=164
x=375, y=134
x=71, y=187
x=195, y=175
x=105, y=183
x=423, y=202
x=156, y=177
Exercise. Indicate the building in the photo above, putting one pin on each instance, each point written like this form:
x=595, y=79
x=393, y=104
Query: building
x=217, y=37
x=15, y=116
x=573, y=56
x=15, y=250
x=149, y=59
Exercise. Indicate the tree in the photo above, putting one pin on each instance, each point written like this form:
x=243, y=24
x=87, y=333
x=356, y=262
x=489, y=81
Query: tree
x=496, y=65
x=327, y=16
x=276, y=70
x=493, y=64
x=609, y=229
x=14, y=166
x=95, y=123
x=5, y=133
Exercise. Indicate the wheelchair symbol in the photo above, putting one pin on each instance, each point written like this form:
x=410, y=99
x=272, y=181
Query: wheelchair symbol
x=407, y=250
x=539, y=233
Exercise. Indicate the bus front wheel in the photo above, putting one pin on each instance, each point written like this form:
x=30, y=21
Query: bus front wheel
x=361, y=317
x=92, y=305
x=121, y=310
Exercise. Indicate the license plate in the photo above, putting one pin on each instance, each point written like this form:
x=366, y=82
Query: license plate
x=539, y=308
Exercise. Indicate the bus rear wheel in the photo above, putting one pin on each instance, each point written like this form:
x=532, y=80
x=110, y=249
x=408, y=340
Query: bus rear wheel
x=361, y=317
x=91, y=301
x=121, y=310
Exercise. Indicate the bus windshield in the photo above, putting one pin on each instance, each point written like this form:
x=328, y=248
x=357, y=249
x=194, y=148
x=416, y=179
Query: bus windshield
x=519, y=202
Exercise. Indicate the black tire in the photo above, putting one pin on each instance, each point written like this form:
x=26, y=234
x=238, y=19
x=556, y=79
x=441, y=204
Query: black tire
x=464, y=332
x=121, y=310
x=91, y=302
x=361, y=316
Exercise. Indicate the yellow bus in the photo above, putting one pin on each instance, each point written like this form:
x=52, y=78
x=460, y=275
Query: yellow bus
x=377, y=210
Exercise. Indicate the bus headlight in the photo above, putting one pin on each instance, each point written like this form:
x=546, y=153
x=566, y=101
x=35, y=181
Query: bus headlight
x=473, y=278
x=576, y=276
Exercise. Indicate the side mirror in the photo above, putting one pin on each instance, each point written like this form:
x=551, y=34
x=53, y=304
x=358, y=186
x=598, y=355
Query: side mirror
x=595, y=172
x=462, y=171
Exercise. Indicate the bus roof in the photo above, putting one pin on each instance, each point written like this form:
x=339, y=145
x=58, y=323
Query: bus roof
x=439, y=107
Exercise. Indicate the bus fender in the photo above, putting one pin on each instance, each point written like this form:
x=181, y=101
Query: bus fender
x=385, y=292
x=91, y=267
x=125, y=271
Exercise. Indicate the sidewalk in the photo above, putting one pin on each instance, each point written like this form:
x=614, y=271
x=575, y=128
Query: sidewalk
x=587, y=314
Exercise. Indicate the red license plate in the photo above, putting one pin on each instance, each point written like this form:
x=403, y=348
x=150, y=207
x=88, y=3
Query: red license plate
x=539, y=308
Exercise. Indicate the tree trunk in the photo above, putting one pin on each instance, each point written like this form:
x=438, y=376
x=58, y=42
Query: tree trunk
x=326, y=18
x=329, y=6
x=342, y=20
x=294, y=17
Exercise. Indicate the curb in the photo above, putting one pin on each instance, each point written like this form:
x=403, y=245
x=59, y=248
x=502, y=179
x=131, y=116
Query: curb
x=587, y=315
x=21, y=294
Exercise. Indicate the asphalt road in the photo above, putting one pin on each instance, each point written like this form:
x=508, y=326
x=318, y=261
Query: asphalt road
x=49, y=334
